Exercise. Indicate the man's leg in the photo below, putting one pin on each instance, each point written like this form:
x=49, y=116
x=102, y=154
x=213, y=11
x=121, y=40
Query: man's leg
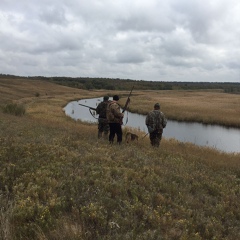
x=119, y=132
x=106, y=131
x=112, y=133
x=99, y=134
x=100, y=130
x=158, y=137
x=154, y=139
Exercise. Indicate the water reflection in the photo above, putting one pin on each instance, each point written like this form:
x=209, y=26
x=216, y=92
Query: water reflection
x=220, y=138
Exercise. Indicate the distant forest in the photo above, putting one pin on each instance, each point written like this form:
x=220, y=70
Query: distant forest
x=126, y=84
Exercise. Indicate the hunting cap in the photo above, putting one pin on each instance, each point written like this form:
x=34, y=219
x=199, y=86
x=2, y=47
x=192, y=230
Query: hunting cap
x=157, y=105
x=105, y=98
x=116, y=97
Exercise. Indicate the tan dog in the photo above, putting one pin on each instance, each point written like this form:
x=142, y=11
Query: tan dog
x=131, y=137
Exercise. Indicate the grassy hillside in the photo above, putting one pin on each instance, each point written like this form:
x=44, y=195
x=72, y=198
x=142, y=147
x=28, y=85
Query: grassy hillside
x=57, y=181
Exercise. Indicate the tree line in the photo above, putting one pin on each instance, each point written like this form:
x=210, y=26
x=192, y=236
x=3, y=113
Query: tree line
x=126, y=84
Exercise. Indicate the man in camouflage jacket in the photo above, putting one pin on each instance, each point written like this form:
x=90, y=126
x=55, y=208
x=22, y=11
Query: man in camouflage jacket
x=114, y=117
x=103, y=126
x=155, y=122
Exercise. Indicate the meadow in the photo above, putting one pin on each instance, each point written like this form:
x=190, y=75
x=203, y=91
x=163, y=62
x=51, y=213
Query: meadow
x=210, y=107
x=58, y=181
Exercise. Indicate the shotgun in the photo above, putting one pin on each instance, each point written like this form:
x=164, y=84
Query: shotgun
x=128, y=101
x=94, y=109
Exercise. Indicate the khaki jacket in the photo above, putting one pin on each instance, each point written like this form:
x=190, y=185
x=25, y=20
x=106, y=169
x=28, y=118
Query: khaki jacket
x=114, y=114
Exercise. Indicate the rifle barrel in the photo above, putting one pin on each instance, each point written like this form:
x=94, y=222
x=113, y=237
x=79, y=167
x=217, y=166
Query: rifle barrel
x=128, y=99
x=87, y=106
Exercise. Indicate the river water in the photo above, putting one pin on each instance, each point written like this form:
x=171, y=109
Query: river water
x=213, y=136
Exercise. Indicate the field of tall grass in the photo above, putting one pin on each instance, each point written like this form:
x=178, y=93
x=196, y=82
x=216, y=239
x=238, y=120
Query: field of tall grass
x=193, y=106
x=58, y=181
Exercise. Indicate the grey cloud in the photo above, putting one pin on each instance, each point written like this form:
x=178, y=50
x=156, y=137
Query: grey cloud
x=145, y=39
x=130, y=56
x=53, y=15
x=234, y=64
x=144, y=23
x=200, y=16
x=178, y=44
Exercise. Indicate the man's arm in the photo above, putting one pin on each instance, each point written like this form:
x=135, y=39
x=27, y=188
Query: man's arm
x=164, y=120
x=148, y=123
x=147, y=120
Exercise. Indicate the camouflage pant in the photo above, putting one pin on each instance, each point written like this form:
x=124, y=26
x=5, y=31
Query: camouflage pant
x=155, y=138
x=103, y=128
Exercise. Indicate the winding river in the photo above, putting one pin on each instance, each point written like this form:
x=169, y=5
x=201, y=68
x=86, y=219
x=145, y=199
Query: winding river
x=213, y=136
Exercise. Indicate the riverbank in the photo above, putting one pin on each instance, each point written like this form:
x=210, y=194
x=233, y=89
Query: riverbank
x=195, y=133
x=191, y=106
x=58, y=182
x=208, y=107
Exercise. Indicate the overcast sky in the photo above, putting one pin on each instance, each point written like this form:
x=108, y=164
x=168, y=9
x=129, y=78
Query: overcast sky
x=154, y=40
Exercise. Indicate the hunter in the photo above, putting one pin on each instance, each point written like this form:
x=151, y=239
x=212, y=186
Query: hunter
x=103, y=126
x=155, y=122
x=115, y=117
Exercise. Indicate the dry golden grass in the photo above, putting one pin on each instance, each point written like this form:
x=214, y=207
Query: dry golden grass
x=181, y=105
x=57, y=181
x=196, y=106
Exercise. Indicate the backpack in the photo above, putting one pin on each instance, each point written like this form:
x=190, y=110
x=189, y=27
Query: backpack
x=109, y=114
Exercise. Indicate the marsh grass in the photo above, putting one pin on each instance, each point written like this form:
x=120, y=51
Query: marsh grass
x=202, y=106
x=61, y=182
x=15, y=109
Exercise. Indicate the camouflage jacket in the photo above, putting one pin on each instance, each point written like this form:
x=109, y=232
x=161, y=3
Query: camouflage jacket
x=114, y=114
x=156, y=120
x=102, y=109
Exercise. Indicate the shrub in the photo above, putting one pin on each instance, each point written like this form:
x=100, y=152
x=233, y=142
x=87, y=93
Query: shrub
x=14, y=109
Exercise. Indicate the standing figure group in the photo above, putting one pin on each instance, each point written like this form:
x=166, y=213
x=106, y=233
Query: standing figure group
x=111, y=118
